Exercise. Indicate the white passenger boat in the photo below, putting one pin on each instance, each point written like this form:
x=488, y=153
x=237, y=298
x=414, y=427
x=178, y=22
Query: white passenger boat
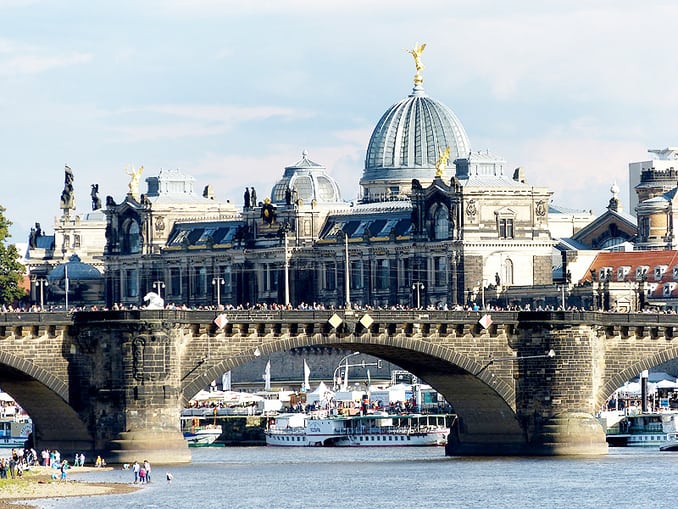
x=14, y=432
x=649, y=429
x=199, y=434
x=371, y=430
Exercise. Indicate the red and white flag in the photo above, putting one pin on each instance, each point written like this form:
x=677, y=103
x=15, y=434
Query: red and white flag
x=485, y=321
x=221, y=321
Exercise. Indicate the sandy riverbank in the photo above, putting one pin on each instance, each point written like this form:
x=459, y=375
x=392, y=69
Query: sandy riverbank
x=38, y=483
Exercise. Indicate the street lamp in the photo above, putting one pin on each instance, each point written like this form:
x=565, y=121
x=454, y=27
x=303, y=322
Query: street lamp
x=347, y=268
x=548, y=355
x=418, y=286
x=159, y=285
x=346, y=365
x=344, y=358
x=287, y=268
x=218, y=281
x=41, y=283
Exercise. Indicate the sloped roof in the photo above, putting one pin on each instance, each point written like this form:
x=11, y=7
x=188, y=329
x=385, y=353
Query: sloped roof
x=662, y=270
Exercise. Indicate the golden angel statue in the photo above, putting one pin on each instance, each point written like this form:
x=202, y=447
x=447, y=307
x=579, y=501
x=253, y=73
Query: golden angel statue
x=441, y=163
x=416, y=53
x=135, y=176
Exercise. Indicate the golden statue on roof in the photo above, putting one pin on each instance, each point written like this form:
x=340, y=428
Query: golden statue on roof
x=416, y=54
x=135, y=176
x=441, y=163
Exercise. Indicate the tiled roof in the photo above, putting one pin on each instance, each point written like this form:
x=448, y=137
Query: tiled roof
x=660, y=269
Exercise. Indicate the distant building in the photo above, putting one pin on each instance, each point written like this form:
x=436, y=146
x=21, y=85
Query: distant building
x=654, y=177
x=437, y=225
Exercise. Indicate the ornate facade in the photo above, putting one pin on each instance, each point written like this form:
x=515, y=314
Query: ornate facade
x=426, y=231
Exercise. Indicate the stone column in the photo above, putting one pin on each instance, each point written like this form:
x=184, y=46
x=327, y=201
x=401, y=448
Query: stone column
x=137, y=406
x=555, y=396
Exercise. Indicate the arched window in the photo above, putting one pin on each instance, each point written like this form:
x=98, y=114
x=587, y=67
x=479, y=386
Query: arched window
x=132, y=238
x=441, y=220
x=508, y=272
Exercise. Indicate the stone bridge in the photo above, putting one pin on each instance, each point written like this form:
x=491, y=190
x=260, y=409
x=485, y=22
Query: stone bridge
x=114, y=382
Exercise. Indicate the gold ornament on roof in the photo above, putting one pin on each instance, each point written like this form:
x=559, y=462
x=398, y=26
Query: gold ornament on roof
x=416, y=54
x=135, y=176
x=441, y=163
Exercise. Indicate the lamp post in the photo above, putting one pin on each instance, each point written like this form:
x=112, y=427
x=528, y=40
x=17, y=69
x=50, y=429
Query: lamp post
x=548, y=355
x=482, y=292
x=347, y=278
x=159, y=285
x=217, y=282
x=346, y=365
x=418, y=286
x=287, y=272
x=41, y=283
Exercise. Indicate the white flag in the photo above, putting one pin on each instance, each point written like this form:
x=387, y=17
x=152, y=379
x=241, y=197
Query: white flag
x=307, y=373
x=267, y=376
x=226, y=381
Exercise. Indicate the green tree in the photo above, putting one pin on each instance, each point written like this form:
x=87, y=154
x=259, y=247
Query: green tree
x=11, y=270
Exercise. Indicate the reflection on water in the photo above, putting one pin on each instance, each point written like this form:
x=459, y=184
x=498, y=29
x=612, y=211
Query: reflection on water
x=273, y=477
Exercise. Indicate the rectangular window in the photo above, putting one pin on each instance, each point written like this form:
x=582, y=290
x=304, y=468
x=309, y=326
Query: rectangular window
x=440, y=270
x=175, y=282
x=357, y=275
x=330, y=276
x=200, y=281
x=506, y=228
x=131, y=283
x=382, y=276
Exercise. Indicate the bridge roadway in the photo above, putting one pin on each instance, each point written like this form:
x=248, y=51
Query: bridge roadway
x=114, y=382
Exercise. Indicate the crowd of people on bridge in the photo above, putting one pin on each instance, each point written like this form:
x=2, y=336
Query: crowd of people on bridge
x=316, y=306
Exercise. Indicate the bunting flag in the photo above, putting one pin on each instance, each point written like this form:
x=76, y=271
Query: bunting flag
x=221, y=321
x=267, y=376
x=485, y=321
x=307, y=374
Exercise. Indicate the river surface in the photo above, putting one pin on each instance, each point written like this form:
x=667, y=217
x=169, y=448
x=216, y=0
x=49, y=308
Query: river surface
x=375, y=478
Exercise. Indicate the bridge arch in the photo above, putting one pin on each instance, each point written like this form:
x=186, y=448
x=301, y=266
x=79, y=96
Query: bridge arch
x=480, y=395
x=45, y=398
x=647, y=362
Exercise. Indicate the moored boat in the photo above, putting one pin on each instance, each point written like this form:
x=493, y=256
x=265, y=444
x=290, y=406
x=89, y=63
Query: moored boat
x=199, y=434
x=671, y=442
x=14, y=432
x=370, y=430
x=649, y=429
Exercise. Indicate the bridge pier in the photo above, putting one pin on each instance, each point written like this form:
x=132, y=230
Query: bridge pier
x=135, y=404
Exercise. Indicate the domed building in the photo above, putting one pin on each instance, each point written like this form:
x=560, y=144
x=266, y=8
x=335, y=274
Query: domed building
x=82, y=282
x=437, y=225
x=407, y=144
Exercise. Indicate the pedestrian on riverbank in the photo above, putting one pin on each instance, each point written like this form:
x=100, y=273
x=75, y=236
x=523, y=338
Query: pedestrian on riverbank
x=147, y=467
x=135, y=469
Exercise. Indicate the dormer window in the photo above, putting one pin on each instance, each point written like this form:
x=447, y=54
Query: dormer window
x=641, y=272
x=675, y=272
x=659, y=271
x=668, y=289
x=622, y=272
x=605, y=273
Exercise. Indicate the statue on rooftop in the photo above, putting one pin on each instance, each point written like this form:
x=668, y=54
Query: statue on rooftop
x=67, y=197
x=416, y=54
x=135, y=177
x=441, y=163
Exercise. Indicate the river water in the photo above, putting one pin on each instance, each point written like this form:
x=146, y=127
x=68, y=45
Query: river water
x=374, y=478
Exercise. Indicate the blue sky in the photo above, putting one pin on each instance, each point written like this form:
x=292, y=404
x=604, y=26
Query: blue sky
x=232, y=92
